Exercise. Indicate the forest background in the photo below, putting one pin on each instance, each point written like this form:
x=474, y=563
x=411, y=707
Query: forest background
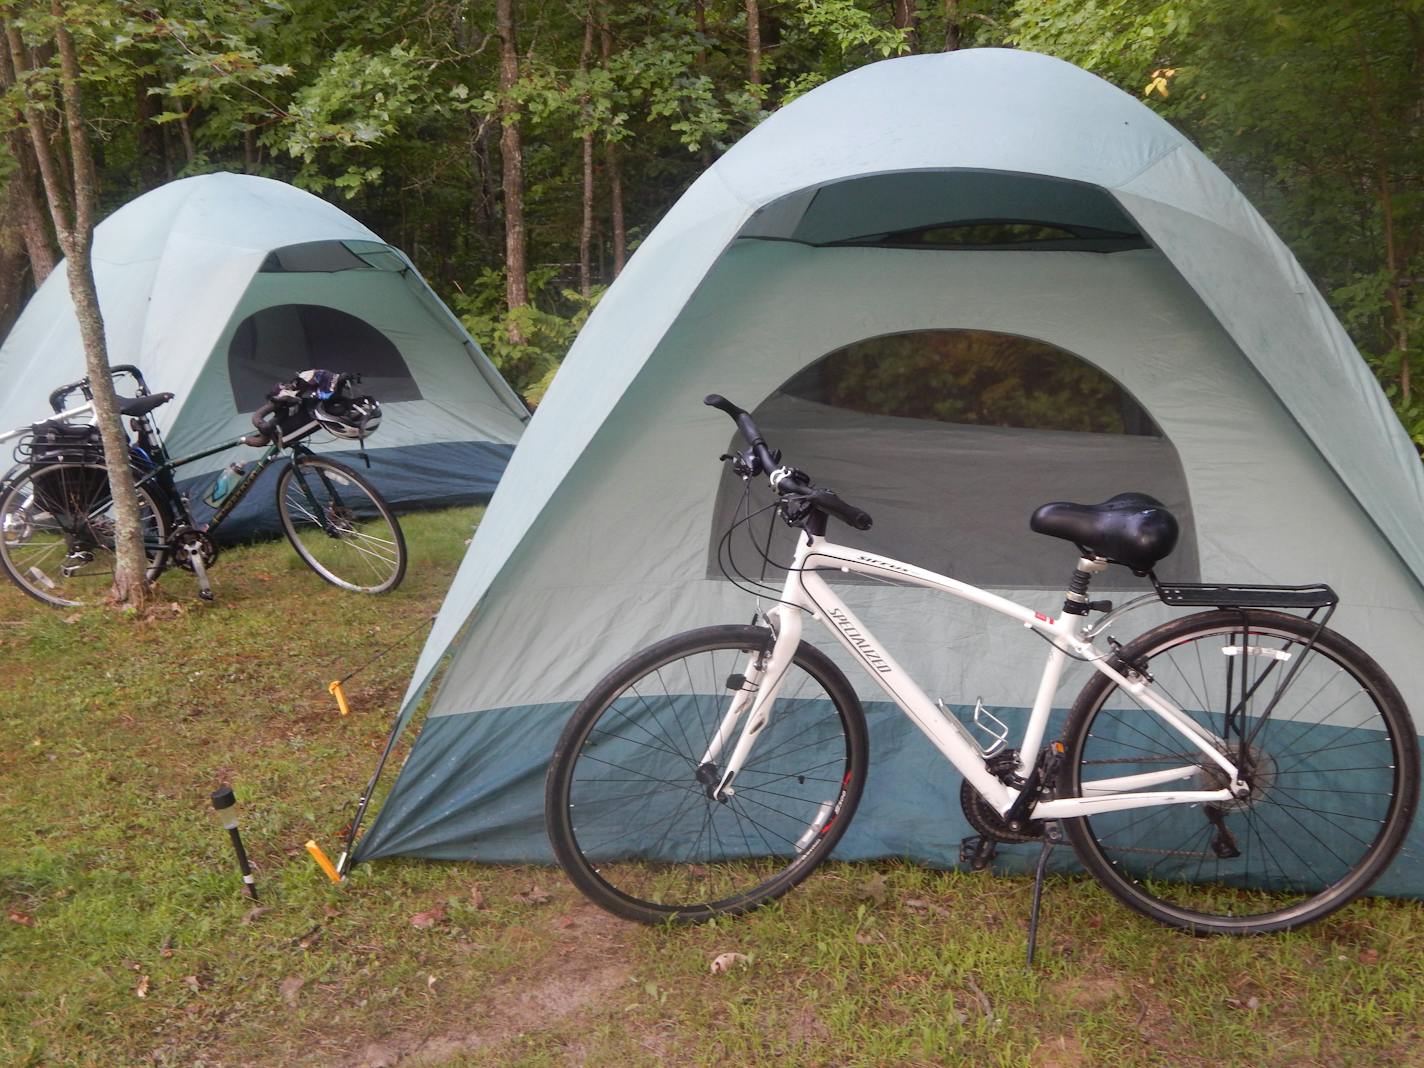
x=518, y=150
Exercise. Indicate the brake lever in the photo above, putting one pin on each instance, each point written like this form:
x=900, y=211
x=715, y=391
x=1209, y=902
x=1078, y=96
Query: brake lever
x=744, y=464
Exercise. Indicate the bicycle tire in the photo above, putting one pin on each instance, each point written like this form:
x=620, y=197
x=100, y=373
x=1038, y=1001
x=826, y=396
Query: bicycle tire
x=50, y=512
x=1334, y=773
x=673, y=854
x=356, y=542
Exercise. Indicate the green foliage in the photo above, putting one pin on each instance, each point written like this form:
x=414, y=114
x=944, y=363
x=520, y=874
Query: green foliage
x=1313, y=109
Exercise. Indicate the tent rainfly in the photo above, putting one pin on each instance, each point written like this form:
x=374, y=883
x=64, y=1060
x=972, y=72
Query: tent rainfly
x=986, y=272
x=222, y=285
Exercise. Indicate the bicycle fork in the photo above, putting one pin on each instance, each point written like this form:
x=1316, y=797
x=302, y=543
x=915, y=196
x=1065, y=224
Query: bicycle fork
x=754, y=693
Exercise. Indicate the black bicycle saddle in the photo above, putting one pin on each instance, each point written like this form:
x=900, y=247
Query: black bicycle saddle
x=1131, y=529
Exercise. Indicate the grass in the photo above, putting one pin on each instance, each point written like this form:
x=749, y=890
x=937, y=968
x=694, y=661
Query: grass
x=127, y=939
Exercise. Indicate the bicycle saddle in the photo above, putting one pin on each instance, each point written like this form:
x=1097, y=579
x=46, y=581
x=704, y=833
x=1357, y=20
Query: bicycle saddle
x=1131, y=529
x=137, y=406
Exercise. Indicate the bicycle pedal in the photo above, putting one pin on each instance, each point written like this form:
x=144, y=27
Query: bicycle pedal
x=977, y=851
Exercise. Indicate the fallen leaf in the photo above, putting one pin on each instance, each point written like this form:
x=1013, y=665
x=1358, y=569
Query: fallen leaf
x=534, y=896
x=428, y=919
x=309, y=939
x=166, y=949
x=330, y=912
x=873, y=889
x=193, y=983
x=477, y=898
x=725, y=962
x=75, y=618
x=141, y=990
x=24, y=919
x=430, y=982
x=1369, y=956
x=253, y=915
x=564, y=922
x=289, y=988
x=864, y=938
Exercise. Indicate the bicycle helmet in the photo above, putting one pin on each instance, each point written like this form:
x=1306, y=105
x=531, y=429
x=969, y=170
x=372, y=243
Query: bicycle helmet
x=348, y=417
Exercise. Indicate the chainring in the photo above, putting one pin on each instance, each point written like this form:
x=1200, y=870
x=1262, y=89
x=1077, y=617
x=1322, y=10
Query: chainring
x=984, y=819
x=184, y=537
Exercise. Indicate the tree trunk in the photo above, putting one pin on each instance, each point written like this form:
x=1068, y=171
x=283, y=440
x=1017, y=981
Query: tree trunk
x=12, y=257
x=700, y=12
x=586, y=224
x=903, y=12
x=152, y=154
x=615, y=176
x=75, y=237
x=953, y=33
x=511, y=150
x=29, y=217
x=753, y=42
x=1400, y=328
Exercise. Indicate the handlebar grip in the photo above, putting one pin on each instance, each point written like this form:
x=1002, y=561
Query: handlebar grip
x=263, y=421
x=747, y=427
x=60, y=395
x=842, y=510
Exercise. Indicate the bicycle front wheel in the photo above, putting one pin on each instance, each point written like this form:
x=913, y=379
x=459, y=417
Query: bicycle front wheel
x=627, y=799
x=1333, y=772
x=340, y=525
x=57, y=532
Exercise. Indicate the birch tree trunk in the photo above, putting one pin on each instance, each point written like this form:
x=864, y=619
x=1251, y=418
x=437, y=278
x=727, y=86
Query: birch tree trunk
x=72, y=210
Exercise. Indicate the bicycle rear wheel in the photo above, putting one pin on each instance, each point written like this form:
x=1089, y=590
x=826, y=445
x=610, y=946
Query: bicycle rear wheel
x=57, y=532
x=340, y=525
x=626, y=800
x=1333, y=772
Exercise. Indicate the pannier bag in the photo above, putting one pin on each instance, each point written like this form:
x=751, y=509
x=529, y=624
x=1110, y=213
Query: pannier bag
x=70, y=490
x=53, y=442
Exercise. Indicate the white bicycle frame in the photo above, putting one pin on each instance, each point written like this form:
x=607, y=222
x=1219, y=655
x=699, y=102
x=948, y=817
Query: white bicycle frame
x=806, y=592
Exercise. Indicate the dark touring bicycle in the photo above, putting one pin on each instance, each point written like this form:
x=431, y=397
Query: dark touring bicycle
x=57, y=510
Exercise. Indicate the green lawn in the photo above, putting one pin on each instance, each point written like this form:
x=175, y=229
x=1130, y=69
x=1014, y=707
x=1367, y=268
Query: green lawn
x=128, y=940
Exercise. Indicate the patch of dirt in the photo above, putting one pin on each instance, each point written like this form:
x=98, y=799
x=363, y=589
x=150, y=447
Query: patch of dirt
x=1061, y=1052
x=589, y=967
x=1086, y=992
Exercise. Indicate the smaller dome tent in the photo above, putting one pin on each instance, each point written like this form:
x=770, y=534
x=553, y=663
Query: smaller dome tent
x=952, y=287
x=219, y=286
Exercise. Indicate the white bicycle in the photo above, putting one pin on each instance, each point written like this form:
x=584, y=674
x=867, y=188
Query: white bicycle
x=1237, y=770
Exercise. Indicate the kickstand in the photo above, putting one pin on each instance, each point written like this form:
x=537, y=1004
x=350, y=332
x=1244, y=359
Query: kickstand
x=1052, y=835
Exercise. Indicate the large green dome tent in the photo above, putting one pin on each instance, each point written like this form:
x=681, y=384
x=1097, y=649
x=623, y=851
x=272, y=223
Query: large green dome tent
x=219, y=286
x=987, y=272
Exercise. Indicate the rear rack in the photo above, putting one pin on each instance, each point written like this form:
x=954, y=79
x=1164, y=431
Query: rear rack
x=1216, y=595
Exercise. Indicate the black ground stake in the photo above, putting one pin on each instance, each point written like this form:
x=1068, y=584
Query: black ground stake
x=225, y=806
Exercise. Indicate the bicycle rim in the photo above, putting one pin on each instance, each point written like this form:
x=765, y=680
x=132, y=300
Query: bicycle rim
x=632, y=821
x=57, y=533
x=1333, y=773
x=340, y=526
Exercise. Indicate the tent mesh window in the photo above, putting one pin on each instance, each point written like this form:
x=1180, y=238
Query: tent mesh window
x=950, y=439
x=274, y=344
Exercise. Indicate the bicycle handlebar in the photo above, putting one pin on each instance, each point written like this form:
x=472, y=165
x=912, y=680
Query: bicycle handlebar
x=793, y=483
x=265, y=420
x=58, y=397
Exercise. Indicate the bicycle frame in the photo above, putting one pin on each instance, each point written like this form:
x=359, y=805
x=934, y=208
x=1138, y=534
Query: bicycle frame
x=806, y=592
x=270, y=455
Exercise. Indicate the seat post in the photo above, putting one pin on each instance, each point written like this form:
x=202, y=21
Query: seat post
x=1075, y=601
